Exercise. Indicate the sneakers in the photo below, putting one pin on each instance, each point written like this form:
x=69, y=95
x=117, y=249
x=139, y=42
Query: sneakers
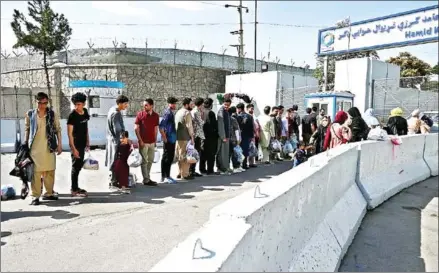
x=169, y=180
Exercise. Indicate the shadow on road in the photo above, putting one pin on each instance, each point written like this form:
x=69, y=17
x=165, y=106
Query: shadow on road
x=57, y=214
x=389, y=239
x=5, y=234
x=151, y=195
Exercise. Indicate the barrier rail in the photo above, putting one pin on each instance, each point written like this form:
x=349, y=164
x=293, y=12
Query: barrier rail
x=306, y=218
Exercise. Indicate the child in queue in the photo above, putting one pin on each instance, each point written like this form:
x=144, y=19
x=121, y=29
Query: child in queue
x=299, y=155
x=121, y=168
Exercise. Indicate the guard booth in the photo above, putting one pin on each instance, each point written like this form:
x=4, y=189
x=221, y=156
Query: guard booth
x=331, y=102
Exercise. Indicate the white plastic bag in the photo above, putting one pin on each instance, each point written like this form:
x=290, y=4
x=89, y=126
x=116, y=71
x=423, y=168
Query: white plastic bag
x=192, y=155
x=275, y=146
x=238, y=153
x=135, y=159
x=377, y=134
x=90, y=163
x=156, y=156
x=253, y=151
x=288, y=148
x=132, y=180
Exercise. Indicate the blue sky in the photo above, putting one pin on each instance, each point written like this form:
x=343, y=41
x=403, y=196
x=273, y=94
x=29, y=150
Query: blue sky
x=298, y=44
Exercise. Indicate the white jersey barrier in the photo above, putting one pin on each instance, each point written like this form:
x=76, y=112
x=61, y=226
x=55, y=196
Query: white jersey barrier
x=385, y=169
x=301, y=220
x=431, y=152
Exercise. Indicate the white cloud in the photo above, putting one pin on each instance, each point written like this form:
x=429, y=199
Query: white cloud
x=120, y=8
x=186, y=5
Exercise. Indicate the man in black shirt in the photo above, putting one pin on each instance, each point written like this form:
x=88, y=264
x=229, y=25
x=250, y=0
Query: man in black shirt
x=307, y=123
x=79, y=141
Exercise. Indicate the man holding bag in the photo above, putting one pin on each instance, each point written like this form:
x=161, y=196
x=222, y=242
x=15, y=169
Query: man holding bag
x=79, y=140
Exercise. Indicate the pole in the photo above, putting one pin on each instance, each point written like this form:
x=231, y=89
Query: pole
x=256, y=31
x=325, y=74
x=241, y=39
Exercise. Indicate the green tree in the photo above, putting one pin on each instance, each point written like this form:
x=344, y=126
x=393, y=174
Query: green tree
x=435, y=69
x=410, y=65
x=46, y=33
x=318, y=72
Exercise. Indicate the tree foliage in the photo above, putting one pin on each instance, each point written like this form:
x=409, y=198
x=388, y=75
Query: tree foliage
x=435, y=69
x=318, y=72
x=44, y=32
x=410, y=65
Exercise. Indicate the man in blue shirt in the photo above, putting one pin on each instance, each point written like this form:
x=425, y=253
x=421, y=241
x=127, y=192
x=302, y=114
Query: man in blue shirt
x=246, y=124
x=169, y=137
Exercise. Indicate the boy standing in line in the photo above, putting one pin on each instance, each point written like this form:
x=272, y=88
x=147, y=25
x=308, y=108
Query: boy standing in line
x=79, y=140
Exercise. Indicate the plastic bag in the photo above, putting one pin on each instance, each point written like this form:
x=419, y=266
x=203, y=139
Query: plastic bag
x=275, y=146
x=238, y=153
x=90, y=163
x=192, y=155
x=156, y=156
x=293, y=142
x=377, y=134
x=8, y=192
x=288, y=148
x=132, y=180
x=253, y=151
x=135, y=159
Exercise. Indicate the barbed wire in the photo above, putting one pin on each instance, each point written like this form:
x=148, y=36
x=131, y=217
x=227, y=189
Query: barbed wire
x=186, y=24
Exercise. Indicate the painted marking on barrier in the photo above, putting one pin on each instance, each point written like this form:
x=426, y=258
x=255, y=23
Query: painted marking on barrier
x=211, y=253
x=258, y=194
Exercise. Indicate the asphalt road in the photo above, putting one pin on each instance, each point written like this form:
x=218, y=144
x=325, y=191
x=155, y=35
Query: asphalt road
x=401, y=235
x=106, y=231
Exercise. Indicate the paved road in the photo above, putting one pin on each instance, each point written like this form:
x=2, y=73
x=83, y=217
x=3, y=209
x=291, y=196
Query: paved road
x=108, y=232
x=401, y=235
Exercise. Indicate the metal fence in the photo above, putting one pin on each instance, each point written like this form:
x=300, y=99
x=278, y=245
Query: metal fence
x=408, y=93
x=296, y=96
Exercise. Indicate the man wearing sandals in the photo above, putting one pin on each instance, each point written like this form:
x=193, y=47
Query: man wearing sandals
x=79, y=140
x=43, y=136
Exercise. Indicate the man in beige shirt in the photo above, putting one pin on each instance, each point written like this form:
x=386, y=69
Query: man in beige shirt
x=43, y=135
x=185, y=133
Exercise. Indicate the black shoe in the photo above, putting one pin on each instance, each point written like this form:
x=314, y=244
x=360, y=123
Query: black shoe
x=196, y=175
x=179, y=176
x=35, y=202
x=189, y=178
x=245, y=167
x=50, y=198
x=150, y=183
x=253, y=166
x=203, y=172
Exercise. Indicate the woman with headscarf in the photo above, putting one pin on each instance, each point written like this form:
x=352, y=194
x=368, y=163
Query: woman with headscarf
x=369, y=117
x=416, y=125
x=358, y=126
x=338, y=133
x=397, y=124
x=318, y=138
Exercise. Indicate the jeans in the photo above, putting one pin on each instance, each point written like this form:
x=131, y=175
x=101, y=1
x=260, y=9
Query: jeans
x=167, y=159
x=77, y=164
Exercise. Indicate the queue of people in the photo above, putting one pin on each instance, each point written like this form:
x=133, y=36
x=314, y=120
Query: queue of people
x=231, y=137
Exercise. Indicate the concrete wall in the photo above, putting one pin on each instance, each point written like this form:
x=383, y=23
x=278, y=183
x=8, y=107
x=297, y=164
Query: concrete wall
x=142, y=81
x=304, y=219
x=356, y=75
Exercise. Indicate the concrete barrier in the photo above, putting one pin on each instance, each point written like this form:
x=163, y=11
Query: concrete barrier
x=385, y=169
x=431, y=153
x=301, y=220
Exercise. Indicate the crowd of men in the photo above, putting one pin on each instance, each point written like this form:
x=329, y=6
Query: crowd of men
x=214, y=135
